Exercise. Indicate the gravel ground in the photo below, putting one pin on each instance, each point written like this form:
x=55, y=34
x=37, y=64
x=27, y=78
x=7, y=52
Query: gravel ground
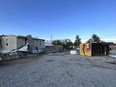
x=59, y=70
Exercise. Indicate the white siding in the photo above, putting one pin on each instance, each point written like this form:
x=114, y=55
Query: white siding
x=20, y=42
x=39, y=43
x=42, y=44
x=13, y=42
x=8, y=43
x=0, y=44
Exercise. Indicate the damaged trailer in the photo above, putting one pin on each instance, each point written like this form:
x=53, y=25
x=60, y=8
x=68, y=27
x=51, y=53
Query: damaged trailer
x=13, y=46
x=94, y=49
x=32, y=45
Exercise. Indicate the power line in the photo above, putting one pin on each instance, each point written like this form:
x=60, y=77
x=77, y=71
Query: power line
x=109, y=35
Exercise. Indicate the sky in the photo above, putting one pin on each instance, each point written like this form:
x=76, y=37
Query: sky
x=59, y=19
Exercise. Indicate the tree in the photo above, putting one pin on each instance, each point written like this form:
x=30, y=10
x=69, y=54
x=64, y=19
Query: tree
x=77, y=41
x=66, y=43
x=95, y=38
x=56, y=42
x=69, y=45
x=90, y=41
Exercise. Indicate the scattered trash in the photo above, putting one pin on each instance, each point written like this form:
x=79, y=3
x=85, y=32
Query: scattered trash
x=73, y=52
x=113, y=56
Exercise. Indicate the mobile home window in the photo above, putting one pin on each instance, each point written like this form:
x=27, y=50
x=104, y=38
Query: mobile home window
x=88, y=46
x=0, y=42
x=40, y=43
x=6, y=42
x=25, y=41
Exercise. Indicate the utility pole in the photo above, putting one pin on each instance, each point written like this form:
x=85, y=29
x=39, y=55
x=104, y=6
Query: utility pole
x=51, y=37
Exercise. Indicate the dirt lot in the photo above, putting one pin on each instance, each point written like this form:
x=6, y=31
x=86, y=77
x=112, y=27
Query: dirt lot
x=59, y=70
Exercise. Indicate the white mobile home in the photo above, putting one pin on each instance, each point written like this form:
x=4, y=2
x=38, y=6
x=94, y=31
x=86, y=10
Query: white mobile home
x=10, y=42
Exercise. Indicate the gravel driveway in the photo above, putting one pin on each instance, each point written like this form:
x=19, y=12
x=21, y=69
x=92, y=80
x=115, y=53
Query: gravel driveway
x=59, y=70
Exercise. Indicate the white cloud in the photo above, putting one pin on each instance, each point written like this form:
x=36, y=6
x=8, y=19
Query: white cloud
x=109, y=40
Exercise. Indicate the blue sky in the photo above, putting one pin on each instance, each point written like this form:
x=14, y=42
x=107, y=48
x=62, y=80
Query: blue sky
x=59, y=18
